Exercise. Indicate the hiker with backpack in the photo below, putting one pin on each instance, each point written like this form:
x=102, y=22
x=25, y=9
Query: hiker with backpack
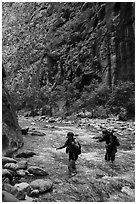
x=73, y=148
x=111, y=144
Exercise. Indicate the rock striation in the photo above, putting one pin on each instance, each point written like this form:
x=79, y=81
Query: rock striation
x=11, y=134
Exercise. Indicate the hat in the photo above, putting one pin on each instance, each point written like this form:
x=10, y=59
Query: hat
x=70, y=134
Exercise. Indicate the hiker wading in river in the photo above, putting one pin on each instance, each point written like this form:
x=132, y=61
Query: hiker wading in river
x=111, y=144
x=73, y=148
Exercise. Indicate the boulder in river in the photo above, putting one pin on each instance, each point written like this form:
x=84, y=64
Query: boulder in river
x=34, y=193
x=25, y=154
x=28, y=199
x=42, y=185
x=10, y=189
x=23, y=188
x=8, y=197
x=24, y=131
x=22, y=164
x=37, y=171
x=11, y=166
x=36, y=133
x=8, y=160
x=6, y=173
x=21, y=172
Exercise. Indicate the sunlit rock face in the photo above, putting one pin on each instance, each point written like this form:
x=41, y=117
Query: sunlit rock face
x=11, y=133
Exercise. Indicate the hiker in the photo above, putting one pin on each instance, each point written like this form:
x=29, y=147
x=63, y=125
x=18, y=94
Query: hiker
x=111, y=144
x=73, y=148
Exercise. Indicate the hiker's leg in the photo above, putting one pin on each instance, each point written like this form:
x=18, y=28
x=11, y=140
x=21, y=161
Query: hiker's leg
x=71, y=166
x=107, y=156
x=113, y=155
x=70, y=162
x=76, y=157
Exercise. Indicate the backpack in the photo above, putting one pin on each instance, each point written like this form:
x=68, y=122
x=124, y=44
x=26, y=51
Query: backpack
x=75, y=147
x=117, y=141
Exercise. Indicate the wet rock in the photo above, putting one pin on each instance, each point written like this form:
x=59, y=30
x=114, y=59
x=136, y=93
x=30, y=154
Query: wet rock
x=21, y=173
x=23, y=188
x=37, y=171
x=12, y=172
x=36, y=133
x=28, y=114
x=33, y=123
x=6, y=173
x=8, y=197
x=22, y=180
x=10, y=189
x=11, y=166
x=22, y=164
x=51, y=120
x=42, y=185
x=8, y=160
x=24, y=131
x=42, y=117
x=25, y=154
x=5, y=180
x=28, y=199
x=34, y=193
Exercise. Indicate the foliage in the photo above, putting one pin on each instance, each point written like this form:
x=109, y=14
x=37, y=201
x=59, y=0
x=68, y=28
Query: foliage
x=123, y=96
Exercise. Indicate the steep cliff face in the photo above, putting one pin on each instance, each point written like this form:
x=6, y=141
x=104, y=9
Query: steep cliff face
x=99, y=44
x=59, y=41
x=11, y=133
x=47, y=47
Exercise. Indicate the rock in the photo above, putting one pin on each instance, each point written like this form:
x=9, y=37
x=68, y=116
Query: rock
x=22, y=164
x=28, y=114
x=37, y=171
x=36, y=133
x=8, y=160
x=8, y=197
x=28, y=199
x=11, y=133
x=24, y=131
x=21, y=172
x=11, y=166
x=34, y=193
x=128, y=190
x=51, y=120
x=23, y=188
x=42, y=185
x=6, y=173
x=12, y=172
x=42, y=117
x=10, y=189
x=25, y=154
x=21, y=180
x=33, y=123
x=5, y=180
